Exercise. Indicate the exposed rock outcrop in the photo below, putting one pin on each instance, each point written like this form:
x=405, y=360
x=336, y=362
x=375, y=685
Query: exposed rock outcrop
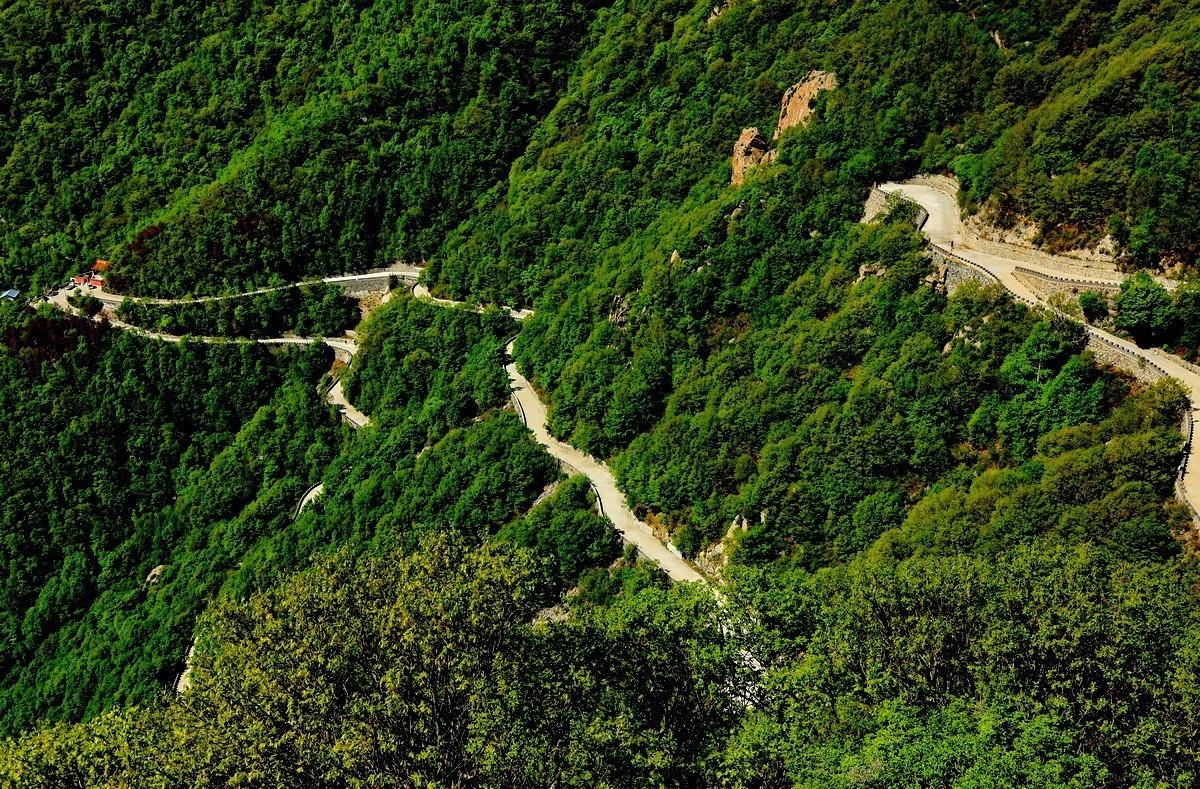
x=713, y=558
x=796, y=107
x=152, y=578
x=750, y=149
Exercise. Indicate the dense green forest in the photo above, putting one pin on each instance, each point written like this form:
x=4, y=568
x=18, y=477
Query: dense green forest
x=124, y=454
x=888, y=628
x=205, y=146
x=194, y=458
x=313, y=310
x=947, y=539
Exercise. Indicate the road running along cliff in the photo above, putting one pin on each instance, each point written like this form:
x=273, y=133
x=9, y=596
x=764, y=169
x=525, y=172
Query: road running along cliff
x=530, y=408
x=945, y=232
x=612, y=501
x=348, y=281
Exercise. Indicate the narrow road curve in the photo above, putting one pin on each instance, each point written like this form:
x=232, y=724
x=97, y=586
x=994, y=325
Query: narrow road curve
x=532, y=410
x=944, y=231
x=356, y=418
x=340, y=345
x=612, y=501
x=422, y=292
x=307, y=498
x=113, y=300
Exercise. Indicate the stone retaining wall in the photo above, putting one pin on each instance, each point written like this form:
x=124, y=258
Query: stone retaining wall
x=1188, y=429
x=1068, y=264
x=973, y=231
x=363, y=286
x=1107, y=351
x=1064, y=284
x=876, y=206
x=957, y=270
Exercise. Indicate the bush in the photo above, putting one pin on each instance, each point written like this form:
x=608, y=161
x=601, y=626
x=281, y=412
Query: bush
x=1094, y=306
x=1144, y=309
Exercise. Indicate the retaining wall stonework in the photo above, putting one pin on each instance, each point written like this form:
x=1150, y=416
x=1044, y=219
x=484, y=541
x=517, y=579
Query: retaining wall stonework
x=363, y=287
x=978, y=236
x=1109, y=356
x=957, y=274
x=1070, y=286
x=876, y=206
x=1136, y=363
x=956, y=270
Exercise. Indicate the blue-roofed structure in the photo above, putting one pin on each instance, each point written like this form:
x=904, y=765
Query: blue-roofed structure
x=10, y=294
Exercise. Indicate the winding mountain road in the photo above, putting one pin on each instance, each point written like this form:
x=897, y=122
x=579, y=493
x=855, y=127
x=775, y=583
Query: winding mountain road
x=422, y=292
x=613, y=504
x=340, y=345
x=529, y=406
x=945, y=232
x=612, y=501
x=113, y=300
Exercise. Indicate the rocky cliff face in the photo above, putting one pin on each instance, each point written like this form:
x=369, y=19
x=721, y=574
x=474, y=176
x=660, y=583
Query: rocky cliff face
x=796, y=107
x=750, y=149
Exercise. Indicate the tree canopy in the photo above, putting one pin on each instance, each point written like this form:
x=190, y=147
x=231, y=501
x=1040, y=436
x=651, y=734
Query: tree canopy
x=947, y=537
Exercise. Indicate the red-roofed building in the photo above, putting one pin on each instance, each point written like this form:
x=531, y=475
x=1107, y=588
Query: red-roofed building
x=89, y=279
x=93, y=276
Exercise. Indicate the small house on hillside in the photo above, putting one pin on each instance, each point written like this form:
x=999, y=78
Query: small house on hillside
x=100, y=266
x=10, y=294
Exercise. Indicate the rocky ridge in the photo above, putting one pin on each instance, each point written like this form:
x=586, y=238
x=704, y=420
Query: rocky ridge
x=795, y=109
x=797, y=105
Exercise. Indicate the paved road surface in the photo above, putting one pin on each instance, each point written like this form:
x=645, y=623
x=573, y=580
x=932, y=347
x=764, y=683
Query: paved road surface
x=612, y=501
x=532, y=411
x=944, y=228
x=422, y=292
x=307, y=498
x=342, y=345
x=350, y=413
x=400, y=271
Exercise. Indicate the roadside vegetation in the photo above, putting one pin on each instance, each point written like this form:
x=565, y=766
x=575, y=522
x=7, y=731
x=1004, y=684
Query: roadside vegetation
x=1149, y=314
x=311, y=310
x=949, y=538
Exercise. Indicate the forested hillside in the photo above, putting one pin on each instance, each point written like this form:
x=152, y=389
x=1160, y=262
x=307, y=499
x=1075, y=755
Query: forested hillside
x=311, y=310
x=946, y=536
x=205, y=146
x=122, y=455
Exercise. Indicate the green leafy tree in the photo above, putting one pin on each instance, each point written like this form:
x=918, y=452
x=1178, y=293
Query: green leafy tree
x=1144, y=309
x=1094, y=306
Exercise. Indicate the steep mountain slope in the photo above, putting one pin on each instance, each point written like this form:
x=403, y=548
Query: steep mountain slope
x=207, y=145
x=946, y=532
